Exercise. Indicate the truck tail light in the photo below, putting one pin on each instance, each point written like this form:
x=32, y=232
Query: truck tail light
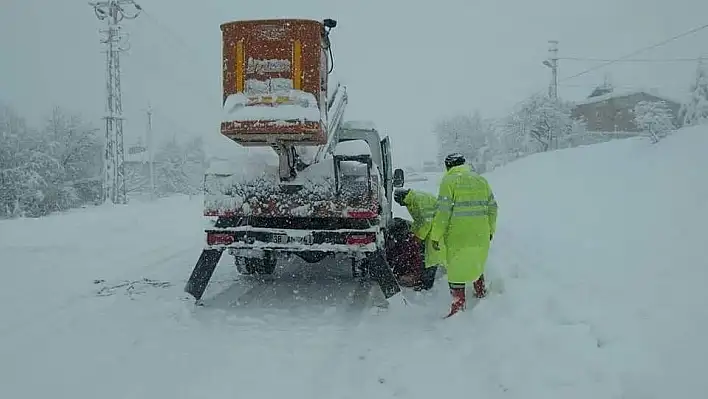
x=219, y=238
x=360, y=239
x=361, y=214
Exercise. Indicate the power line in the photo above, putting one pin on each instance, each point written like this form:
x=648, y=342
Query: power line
x=170, y=33
x=193, y=87
x=641, y=50
x=649, y=60
x=178, y=41
x=628, y=87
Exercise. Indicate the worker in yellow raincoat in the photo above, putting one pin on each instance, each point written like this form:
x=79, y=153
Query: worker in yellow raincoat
x=465, y=221
x=422, y=207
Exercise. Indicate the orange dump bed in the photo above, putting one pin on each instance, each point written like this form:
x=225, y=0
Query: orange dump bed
x=274, y=82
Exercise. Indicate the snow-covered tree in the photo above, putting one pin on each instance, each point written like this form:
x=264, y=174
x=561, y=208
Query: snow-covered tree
x=77, y=149
x=470, y=135
x=483, y=142
x=540, y=123
x=536, y=124
x=449, y=133
x=549, y=121
x=38, y=168
x=196, y=163
x=180, y=169
x=26, y=173
x=170, y=175
x=695, y=110
x=74, y=144
x=512, y=134
x=654, y=119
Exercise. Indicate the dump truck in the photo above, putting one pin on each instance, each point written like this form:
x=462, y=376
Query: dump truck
x=331, y=190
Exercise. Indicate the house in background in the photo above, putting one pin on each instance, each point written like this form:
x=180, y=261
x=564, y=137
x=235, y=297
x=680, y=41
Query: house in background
x=613, y=111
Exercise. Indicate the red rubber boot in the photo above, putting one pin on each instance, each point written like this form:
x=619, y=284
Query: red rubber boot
x=458, y=300
x=480, y=291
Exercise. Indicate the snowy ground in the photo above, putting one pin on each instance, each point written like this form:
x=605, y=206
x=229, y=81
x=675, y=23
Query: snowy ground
x=600, y=249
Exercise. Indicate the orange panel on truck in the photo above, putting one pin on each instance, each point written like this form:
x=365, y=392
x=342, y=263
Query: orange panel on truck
x=274, y=82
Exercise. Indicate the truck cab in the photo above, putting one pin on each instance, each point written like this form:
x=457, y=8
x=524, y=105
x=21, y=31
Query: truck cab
x=380, y=151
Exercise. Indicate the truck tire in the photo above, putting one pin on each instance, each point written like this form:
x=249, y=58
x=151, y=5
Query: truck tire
x=257, y=266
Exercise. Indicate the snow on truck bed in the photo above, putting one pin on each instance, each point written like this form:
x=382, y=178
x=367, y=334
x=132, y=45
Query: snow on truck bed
x=244, y=184
x=598, y=270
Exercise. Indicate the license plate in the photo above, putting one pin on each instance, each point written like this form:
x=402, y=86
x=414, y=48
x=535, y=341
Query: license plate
x=280, y=238
x=307, y=240
x=285, y=239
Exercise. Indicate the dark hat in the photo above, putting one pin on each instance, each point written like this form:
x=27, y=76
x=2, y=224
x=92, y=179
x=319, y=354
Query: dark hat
x=454, y=159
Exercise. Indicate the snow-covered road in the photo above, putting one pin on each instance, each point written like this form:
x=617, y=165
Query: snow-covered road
x=599, y=264
x=80, y=316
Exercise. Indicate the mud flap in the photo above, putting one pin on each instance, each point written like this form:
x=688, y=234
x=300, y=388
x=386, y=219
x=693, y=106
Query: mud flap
x=198, y=281
x=382, y=274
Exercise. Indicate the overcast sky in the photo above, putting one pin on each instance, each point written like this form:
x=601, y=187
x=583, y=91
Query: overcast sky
x=406, y=63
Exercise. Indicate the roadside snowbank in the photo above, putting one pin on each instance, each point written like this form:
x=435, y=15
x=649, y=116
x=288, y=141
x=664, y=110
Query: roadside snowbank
x=604, y=259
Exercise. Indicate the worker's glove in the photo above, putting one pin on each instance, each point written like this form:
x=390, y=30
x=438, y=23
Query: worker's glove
x=436, y=245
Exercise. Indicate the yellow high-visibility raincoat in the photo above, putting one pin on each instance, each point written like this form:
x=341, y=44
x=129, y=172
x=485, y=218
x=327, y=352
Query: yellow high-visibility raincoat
x=465, y=220
x=422, y=207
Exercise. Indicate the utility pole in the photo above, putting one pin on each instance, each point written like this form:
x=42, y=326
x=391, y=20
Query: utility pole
x=552, y=62
x=113, y=12
x=150, y=151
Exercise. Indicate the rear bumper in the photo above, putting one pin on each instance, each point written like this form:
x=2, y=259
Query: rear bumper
x=290, y=240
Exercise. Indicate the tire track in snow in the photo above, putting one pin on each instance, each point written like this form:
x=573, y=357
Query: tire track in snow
x=341, y=362
x=300, y=293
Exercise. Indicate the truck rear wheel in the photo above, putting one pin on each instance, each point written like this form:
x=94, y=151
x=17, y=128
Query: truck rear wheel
x=258, y=266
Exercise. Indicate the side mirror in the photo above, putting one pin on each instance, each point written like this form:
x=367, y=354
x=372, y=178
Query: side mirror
x=330, y=23
x=398, y=178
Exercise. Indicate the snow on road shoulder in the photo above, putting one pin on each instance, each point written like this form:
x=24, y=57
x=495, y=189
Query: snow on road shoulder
x=617, y=231
x=53, y=261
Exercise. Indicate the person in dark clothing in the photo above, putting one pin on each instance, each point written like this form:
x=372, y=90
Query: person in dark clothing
x=422, y=206
x=404, y=252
